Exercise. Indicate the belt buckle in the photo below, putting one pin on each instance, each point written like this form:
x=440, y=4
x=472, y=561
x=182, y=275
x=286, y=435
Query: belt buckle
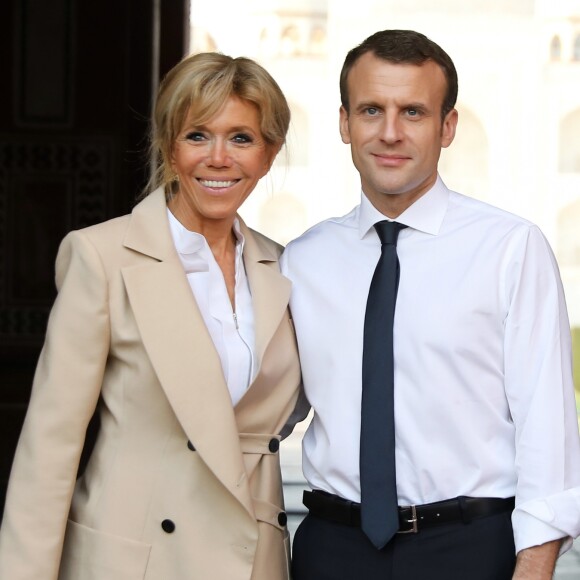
x=413, y=521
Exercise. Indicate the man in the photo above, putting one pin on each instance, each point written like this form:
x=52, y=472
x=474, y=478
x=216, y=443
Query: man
x=483, y=395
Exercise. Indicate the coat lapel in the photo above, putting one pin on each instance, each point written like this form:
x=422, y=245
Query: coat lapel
x=270, y=290
x=270, y=295
x=180, y=348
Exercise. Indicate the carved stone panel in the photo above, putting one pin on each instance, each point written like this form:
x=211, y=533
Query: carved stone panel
x=47, y=188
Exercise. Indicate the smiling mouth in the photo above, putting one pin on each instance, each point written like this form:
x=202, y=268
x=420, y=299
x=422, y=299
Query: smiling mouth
x=395, y=156
x=216, y=184
x=393, y=161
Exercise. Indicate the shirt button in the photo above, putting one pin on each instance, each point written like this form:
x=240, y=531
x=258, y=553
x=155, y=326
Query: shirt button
x=168, y=526
x=282, y=518
x=274, y=445
x=190, y=446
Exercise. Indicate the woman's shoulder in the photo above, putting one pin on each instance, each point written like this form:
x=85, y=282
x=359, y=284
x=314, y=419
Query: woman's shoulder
x=110, y=232
x=264, y=243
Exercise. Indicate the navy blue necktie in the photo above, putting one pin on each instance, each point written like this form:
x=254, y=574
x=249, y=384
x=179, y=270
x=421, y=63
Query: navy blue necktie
x=379, y=513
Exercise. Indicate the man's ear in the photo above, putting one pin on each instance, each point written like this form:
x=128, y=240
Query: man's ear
x=449, y=127
x=343, y=125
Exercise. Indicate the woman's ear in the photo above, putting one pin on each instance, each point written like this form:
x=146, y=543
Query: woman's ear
x=272, y=153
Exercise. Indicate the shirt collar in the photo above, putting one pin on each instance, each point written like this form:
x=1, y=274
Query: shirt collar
x=193, y=249
x=425, y=215
x=188, y=242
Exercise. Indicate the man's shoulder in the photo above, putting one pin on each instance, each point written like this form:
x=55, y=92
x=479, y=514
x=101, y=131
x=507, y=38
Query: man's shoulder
x=486, y=211
x=326, y=231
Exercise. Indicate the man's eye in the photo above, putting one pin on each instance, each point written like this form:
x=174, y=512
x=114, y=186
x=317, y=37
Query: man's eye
x=413, y=112
x=372, y=111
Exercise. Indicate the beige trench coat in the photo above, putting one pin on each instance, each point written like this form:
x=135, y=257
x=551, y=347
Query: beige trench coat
x=180, y=485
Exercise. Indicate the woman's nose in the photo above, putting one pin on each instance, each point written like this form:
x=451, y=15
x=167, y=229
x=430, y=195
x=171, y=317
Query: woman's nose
x=218, y=155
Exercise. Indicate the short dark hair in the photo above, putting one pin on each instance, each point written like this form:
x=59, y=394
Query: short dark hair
x=403, y=47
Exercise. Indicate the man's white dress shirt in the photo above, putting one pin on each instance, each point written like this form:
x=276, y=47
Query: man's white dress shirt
x=484, y=398
x=232, y=332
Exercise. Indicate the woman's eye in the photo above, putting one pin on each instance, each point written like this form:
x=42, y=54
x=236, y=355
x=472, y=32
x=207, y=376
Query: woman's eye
x=242, y=138
x=194, y=136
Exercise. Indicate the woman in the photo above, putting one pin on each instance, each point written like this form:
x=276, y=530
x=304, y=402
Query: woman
x=173, y=323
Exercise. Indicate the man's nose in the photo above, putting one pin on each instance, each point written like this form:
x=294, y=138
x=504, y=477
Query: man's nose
x=391, y=129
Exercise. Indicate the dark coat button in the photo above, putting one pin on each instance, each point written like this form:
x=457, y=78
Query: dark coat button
x=274, y=445
x=282, y=518
x=190, y=446
x=168, y=526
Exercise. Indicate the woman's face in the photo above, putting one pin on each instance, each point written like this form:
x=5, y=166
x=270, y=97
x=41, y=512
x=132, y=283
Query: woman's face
x=219, y=163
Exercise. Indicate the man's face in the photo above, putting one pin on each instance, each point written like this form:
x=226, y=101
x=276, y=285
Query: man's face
x=395, y=130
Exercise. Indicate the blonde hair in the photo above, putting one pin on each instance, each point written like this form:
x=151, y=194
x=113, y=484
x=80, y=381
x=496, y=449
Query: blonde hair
x=197, y=88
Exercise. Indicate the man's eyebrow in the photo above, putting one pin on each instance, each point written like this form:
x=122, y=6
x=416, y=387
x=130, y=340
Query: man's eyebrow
x=368, y=104
x=403, y=105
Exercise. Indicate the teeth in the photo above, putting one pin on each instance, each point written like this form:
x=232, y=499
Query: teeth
x=211, y=183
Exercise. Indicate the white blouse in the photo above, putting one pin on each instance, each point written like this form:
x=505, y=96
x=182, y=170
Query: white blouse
x=232, y=332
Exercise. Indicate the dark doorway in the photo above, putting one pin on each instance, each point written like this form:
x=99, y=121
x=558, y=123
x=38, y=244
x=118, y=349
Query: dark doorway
x=78, y=80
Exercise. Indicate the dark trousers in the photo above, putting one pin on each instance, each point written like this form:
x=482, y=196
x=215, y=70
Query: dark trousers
x=480, y=550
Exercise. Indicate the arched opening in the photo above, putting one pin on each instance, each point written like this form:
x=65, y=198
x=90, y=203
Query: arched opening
x=464, y=165
x=290, y=41
x=569, y=144
x=568, y=248
x=576, y=49
x=555, y=48
x=298, y=137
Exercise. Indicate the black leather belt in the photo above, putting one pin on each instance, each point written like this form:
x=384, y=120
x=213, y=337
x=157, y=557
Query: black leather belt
x=411, y=518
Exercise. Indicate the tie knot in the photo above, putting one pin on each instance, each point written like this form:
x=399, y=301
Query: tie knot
x=389, y=231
